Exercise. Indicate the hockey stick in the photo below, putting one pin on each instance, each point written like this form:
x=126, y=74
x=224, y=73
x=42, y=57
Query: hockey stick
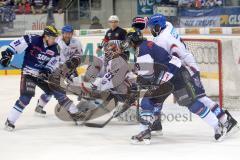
x=98, y=125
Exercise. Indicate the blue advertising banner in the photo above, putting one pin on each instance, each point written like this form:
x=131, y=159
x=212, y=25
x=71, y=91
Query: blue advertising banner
x=215, y=17
x=145, y=7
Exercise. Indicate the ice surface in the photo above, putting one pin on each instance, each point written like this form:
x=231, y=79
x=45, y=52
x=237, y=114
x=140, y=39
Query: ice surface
x=38, y=138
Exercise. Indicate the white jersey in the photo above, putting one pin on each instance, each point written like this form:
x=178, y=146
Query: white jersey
x=109, y=74
x=170, y=40
x=67, y=51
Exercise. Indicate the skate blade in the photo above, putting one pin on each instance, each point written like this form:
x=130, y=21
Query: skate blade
x=234, y=130
x=9, y=129
x=157, y=133
x=137, y=142
x=40, y=115
x=223, y=136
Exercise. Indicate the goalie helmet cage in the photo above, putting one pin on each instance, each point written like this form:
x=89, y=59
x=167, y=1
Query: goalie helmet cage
x=218, y=82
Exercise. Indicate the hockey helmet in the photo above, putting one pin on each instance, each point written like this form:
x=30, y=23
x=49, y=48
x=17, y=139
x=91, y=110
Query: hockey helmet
x=139, y=23
x=156, y=23
x=67, y=29
x=51, y=31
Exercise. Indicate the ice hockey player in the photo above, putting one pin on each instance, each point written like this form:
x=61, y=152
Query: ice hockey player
x=109, y=74
x=40, y=60
x=166, y=36
x=176, y=80
x=70, y=52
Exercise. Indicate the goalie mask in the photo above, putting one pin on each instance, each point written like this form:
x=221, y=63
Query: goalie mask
x=112, y=49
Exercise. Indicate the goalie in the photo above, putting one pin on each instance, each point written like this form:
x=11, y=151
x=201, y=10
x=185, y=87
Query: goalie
x=106, y=80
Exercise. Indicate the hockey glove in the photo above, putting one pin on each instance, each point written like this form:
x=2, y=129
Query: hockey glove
x=73, y=63
x=6, y=57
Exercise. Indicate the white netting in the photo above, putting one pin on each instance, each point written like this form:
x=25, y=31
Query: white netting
x=218, y=81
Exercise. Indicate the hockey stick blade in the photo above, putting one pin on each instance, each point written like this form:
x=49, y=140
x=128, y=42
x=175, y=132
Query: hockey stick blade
x=97, y=125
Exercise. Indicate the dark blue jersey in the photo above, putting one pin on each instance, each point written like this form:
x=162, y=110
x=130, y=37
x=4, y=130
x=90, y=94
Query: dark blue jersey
x=38, y=56
x=149, y=54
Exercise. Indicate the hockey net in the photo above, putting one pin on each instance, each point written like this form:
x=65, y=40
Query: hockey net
x=218, y=71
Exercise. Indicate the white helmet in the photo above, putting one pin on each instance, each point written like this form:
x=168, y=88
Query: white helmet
x=113, y=18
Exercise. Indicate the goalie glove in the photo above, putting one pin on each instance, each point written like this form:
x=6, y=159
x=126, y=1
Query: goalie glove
x=6, y=57
x=73, y=63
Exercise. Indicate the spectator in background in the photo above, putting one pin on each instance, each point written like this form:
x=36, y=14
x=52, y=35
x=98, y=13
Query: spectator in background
x=39, y=6
x=7, y=14
x=213, y=3
x=114, y=33
x=96, y=23
x=23, y=7
x=186, y=3
x=6, y=3
x=165, y=2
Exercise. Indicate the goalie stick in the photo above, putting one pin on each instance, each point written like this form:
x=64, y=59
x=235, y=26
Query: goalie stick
x=115, y=114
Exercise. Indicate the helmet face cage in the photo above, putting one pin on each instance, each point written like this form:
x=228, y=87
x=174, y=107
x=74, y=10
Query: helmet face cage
x=112, y=49
x=155, y=30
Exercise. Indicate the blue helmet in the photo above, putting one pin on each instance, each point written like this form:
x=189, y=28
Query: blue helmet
x=67, y=29
x=157, y=19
